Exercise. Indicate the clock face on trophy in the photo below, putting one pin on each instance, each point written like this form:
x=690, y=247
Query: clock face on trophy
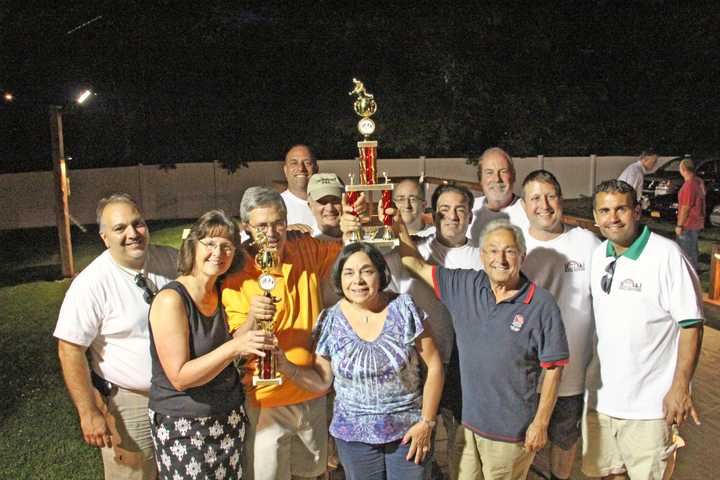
x=366, y=126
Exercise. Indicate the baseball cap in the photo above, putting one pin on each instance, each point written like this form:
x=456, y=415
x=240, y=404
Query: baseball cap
x=324, y=184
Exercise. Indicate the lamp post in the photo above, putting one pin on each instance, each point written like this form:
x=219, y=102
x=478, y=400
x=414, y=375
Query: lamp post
x=62, y=210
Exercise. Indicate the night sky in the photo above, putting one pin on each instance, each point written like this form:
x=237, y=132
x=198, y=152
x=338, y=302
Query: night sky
x=240, y=81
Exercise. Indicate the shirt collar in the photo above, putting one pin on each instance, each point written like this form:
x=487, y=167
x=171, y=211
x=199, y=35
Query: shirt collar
x=634, y=251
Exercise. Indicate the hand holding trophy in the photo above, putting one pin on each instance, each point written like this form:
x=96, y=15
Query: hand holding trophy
x=266, y=260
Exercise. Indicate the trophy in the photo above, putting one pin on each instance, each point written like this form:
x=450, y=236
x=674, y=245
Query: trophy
x=379, y=233
x=266, y=260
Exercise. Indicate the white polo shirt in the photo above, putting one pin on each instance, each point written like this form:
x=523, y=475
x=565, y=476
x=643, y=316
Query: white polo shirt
x=298, y=210
x=654, y=293
x=104, y=310
x=482, y=215
x=465, y=256
x=562, y=266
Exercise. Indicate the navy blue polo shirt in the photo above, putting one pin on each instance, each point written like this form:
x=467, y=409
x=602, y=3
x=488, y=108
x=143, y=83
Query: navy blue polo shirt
x=502, y=348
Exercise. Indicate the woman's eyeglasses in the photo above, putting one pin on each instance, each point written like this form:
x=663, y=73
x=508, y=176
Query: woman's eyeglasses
x=148, y=293
x=606, y=280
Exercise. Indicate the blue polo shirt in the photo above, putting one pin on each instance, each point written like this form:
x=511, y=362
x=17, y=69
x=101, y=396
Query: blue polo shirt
x=502, y=348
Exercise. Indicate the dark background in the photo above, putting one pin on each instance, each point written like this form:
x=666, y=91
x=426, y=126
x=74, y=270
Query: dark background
x=241, y=81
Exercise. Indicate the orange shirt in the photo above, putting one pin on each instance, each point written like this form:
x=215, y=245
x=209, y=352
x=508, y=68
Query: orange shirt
x=306, y=261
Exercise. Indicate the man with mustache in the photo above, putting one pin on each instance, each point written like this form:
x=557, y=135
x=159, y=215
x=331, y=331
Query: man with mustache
x=105, y=310
x=496, y=172
x=300, y=164
x=287, y=433
x=649, y=323
x=558, y=259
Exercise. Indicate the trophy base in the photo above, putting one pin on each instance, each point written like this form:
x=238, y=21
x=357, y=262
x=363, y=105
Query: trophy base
x=257, y=381
x=372, y=187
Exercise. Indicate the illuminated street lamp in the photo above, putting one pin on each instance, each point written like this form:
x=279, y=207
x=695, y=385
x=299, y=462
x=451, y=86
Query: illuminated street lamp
x=8, y=97
x=62, y=210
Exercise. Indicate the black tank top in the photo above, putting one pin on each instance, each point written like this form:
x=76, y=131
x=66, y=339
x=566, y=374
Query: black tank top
x=219, y=395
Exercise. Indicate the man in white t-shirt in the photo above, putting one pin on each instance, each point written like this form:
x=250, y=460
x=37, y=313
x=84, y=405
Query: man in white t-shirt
x=450, y=246
x=300, y=164
x=409, y=198
x=558, y=259
x=105, y=310
x=496, y=173
x=648, y=316
x=634, y=174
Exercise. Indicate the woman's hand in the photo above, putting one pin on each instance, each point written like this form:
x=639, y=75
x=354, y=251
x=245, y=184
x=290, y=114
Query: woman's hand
x=420, y=437
x=253, y=342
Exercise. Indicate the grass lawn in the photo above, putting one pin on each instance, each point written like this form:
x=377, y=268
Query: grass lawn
x=39, y=431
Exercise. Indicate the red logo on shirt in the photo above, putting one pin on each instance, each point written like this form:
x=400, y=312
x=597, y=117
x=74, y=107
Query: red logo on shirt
x=517, y=323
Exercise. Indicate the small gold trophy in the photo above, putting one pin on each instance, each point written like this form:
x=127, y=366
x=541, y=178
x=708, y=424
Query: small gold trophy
x=266, y=260
x=379, y=233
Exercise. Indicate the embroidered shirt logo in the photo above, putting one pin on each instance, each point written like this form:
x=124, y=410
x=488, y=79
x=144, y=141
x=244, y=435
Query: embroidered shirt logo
x=517, y=323
x=631, y=285
x=573, y=266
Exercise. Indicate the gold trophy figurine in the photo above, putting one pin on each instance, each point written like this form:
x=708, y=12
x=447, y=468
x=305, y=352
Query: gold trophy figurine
x=380, y=232
x=266, y=260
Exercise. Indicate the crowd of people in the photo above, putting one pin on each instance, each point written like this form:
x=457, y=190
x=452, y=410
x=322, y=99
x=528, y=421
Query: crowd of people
x=515, y=329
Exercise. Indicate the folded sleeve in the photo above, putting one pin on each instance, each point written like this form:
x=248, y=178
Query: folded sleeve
x=324, y=345
x=413, y=317
x=553, y=345
x=236, y=303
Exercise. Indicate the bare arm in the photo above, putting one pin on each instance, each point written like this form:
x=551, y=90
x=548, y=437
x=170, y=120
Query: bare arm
x=678, y=403
x=77, y=379
x=420, y=434
x=169, y=322
x=536, y=436
x=316, y=378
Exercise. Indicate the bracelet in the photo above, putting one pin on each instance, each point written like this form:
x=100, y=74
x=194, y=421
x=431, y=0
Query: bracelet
x=428, y=422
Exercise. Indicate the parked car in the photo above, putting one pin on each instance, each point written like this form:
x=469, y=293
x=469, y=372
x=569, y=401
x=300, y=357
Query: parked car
x=660, y=189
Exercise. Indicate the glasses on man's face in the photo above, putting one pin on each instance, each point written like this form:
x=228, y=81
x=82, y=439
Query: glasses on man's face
x=148, y=293
x=267, y=227
x=411, y=198
x=226, y=249
x=606, y=280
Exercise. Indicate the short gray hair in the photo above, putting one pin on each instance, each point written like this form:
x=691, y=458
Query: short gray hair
x=114, y=198
x=504, y=224
x=257, y=197
x=501, y=152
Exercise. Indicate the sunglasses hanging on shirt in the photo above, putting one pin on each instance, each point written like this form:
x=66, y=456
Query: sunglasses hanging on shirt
x=148, y=292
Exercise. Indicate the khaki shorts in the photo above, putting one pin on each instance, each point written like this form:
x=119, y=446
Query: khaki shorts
x=482, y=458
x=286, y=442
x=642, y=448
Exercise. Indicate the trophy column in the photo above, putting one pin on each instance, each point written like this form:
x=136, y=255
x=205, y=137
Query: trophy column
x=266, y=260
x=378, y=233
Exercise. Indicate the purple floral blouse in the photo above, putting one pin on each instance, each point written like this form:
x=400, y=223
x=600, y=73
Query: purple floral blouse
x=378, y=394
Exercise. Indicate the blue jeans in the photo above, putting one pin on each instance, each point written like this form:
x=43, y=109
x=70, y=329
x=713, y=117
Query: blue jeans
x=688, y=241
x=365, y=461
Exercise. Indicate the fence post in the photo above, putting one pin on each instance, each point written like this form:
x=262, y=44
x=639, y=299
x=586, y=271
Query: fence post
x=593, y=173
x=541, y=162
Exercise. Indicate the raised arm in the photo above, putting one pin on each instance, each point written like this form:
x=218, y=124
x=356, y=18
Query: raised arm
x=315, y=378
x=169, y=323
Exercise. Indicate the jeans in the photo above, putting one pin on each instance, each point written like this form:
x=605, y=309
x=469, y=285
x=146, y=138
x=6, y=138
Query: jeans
x=688, y=241
x=365, y=461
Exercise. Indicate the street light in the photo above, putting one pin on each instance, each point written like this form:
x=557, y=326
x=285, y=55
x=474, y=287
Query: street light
x=62, y=210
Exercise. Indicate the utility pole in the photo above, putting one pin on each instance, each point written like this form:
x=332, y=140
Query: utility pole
x=62, y=210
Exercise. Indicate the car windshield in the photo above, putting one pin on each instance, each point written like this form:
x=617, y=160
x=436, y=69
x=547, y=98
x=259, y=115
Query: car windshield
x=671, y=166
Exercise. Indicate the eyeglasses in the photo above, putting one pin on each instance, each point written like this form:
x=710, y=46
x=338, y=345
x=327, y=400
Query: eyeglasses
x=266, y=227
x=411, y=198
x=225, y=248
x=148, y=293
x=606, y=280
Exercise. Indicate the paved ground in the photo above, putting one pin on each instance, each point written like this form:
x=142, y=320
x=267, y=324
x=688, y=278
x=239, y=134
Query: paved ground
x=700, y=458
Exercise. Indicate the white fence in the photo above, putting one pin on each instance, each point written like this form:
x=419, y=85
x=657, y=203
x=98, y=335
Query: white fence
x=190, y=189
